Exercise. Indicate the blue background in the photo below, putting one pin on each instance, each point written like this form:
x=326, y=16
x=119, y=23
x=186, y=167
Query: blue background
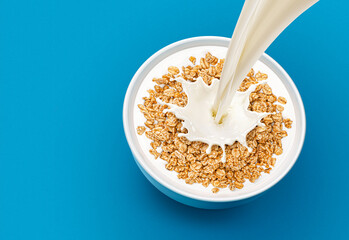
x=66, y=171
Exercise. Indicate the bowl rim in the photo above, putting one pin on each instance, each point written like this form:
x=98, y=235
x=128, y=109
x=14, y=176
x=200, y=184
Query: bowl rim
x=136, y=152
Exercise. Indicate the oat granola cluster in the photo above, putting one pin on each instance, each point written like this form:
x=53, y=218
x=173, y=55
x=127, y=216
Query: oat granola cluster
x=189, y=159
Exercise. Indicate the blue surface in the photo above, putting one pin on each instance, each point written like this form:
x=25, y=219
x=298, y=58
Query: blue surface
x=66, y=171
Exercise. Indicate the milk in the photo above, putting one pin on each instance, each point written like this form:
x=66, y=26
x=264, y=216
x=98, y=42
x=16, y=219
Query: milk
x=260, y=22
x=199, y=121
x=218, y=114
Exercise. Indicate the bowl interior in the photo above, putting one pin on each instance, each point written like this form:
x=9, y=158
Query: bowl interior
x=281, y=84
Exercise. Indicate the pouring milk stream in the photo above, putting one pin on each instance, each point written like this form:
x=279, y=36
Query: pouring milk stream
x=259, y=24
x=218, y=114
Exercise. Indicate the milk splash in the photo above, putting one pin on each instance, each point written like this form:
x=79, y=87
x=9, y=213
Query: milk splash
x=199, y=120
x=218, y=114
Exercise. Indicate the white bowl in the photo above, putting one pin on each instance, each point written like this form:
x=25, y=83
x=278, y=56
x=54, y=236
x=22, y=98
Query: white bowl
x=196, y=195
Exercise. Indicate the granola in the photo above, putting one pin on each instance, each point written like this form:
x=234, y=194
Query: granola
x=189, y=158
